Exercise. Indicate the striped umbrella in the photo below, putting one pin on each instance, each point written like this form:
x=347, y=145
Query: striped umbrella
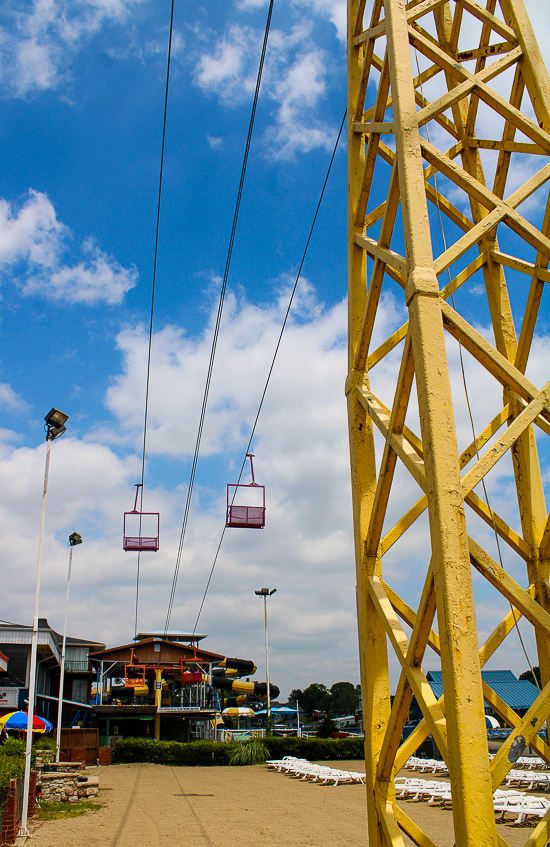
x=20, y=720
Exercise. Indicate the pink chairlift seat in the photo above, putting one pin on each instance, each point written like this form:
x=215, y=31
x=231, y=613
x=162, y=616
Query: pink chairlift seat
x=141, y=543
x=240, y=516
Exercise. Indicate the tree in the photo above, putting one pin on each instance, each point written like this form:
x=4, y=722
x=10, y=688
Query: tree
x=345, y=698
x=529, y=676
x=315, y=698
x=342, y=698
x=326, y=728
x=295, y=695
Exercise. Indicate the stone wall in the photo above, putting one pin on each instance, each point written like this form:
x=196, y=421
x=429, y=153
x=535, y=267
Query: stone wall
x=43, y=758
x=63, y=787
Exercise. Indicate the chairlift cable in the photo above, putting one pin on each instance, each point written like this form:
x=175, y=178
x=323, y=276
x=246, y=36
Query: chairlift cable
x=153, y=299
x=218, y=319
x=298, y=275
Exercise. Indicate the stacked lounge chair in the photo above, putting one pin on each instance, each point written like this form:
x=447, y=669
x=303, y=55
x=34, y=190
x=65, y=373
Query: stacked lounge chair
x=506, y=801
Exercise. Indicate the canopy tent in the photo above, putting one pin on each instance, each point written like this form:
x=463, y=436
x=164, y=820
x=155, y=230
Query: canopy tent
x=280, y=710
x=238, y=712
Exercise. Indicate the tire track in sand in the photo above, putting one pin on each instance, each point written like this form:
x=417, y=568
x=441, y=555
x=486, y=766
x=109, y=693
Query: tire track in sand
x=206, y=837
x=128, y=808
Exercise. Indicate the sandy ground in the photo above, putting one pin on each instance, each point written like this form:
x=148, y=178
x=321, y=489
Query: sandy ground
x=161, y=806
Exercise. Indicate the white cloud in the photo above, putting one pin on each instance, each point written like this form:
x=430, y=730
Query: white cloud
x=302, y=456
x=334, y=10
x=215, y=142
x=9, y=399
x=306, y=548
x=246, y=344
x=252, y=4
x=230, y=69
x=33, y=246
x=295, y=79
x=295, y=129
x=41, y=38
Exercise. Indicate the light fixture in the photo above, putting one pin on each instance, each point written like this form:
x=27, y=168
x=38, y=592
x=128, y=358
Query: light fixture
x=74, y=538
x=265, y=592
x=55, y=423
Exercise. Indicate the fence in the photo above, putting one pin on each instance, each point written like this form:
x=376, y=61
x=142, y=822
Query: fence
x=11, y=802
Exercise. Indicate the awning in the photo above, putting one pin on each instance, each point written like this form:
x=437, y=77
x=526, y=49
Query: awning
x=69, y=702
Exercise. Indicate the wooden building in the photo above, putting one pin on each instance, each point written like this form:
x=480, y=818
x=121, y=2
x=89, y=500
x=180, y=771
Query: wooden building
x=156, y=687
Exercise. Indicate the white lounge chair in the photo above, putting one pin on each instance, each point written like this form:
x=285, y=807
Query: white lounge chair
x=531, y=806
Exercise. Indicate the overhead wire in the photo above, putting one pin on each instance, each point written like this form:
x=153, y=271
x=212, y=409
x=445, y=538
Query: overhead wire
x=470, y=413
x=218, y=319
x=283, y=326
x=153, y=301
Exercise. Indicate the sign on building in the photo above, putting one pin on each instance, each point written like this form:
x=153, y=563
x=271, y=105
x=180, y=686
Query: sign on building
x=9, y=697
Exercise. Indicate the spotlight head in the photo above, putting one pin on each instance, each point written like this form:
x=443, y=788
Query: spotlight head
x=56, y=418
x=74, y=539
x=55, y=423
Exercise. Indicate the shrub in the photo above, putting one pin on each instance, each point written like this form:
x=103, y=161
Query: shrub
x=218, y=753
x=316, y=749
x=326, y=728
x=11, y=767
x=44, y=743
x=250, y=752
x=170, y=752
x=13, y=747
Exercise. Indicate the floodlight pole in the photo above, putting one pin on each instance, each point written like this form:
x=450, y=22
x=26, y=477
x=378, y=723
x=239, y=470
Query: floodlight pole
x=267, y=662
x=74, y=539
x=34, y=650
x=265, y=593
x=55, y=421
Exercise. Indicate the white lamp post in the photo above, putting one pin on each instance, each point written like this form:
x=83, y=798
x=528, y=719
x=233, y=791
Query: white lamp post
x=265, y=593
x=55, y=426
x=74, y=539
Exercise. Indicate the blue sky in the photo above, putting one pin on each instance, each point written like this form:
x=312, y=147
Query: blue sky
x=82, y=96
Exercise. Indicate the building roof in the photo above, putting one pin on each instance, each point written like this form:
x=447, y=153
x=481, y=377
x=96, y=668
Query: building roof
x=143, y=652
x=516, y=693
x=488, y=676
x=171, y=635
x=15, y=633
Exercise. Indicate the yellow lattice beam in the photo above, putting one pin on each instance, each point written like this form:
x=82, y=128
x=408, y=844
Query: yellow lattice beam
x=426, y=91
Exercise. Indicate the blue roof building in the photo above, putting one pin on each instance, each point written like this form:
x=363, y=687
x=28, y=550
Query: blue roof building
x=518, y=694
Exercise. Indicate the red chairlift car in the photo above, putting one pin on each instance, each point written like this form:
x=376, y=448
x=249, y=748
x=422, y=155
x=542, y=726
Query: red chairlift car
x=188, y=676
x=141, y=543
x=243, y=516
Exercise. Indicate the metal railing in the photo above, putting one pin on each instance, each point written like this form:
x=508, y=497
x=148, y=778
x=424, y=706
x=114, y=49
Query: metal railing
x=76, y=666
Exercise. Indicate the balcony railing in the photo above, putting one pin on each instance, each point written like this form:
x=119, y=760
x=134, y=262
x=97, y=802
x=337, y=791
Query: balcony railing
x=75, y=667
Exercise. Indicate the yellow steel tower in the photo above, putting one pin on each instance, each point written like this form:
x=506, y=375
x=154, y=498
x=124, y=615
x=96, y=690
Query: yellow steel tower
x=448, y=143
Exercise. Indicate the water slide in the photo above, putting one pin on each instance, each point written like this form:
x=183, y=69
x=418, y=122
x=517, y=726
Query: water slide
x=227, y=676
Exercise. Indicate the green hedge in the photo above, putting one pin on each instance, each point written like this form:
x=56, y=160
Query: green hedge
x=316, y=749
x=11, y=767
x=170, y=752
x=218, y=753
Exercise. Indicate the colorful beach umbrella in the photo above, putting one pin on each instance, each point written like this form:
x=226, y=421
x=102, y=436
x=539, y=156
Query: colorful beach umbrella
x=19, y=721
